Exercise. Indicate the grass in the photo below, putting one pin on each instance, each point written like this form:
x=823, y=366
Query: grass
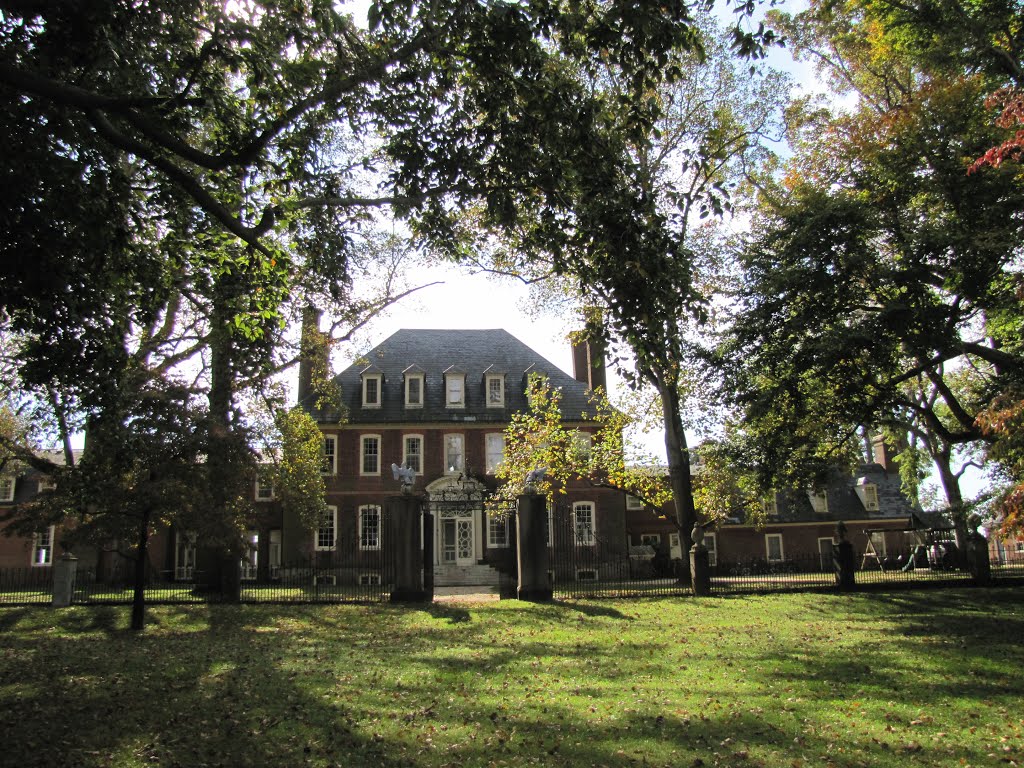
x=903, y=679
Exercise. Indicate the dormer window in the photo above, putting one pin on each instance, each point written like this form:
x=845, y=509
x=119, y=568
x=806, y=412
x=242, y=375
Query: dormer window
x=770, y=505
x=372, y=383
x=494, y=390
x=819, y=502
x=413, y=387
x=867, y=492
x=454, y=389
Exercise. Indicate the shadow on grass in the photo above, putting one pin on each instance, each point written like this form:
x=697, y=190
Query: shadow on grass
x=453, y=612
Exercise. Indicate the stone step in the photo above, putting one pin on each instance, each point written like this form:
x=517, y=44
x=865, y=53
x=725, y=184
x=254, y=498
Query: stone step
x=469, y=575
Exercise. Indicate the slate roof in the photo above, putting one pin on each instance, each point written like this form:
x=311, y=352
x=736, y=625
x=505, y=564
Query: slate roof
x=432, y=352
x=843, y=501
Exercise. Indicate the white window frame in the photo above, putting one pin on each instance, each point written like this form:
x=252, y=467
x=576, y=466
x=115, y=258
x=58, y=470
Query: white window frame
x=329, y=457
x=768, y=551
x=379, y=380
x=591, y=538
x=497, y=524
x=633, y=503
x=325, y=537
x=674, y=545
x=363, y=471
x=650, y=540
x=250, y=561
x=406, y=454
x=408, y=380
x=770, y=505
x=42, y=547
x=711, y=543
x=583, y=442
x=259, y=493
x=490, y=465
x=499, y=379
x=448, y=468
x=449, y=379
x=368, y=579
x=184, y=556
x=46, y=483
x=372, y=538
x=868, y=495
x=7, y=484
x=878, y=542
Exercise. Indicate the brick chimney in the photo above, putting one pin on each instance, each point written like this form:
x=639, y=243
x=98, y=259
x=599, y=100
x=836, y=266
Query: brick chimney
x=884, y=454
x=588, y=364
x=310, y=348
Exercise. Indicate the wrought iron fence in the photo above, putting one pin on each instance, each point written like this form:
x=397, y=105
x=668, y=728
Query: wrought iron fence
x=26, y=586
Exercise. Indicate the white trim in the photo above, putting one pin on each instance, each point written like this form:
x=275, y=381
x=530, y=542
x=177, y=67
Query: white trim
x=7, y=485
x=711, y=543
x=250, y=562
x=675, y=549
x=323, y=532
x=368, y=579
x=379, y=379
x=867, y=492
x=42, y=548
x=329, y=458
x=46, y=483
x=372, y=537
x=590, y=538
x=768, y=551
x=498, y=402
x=363, y=471
x=770, y=505
x=405, y=451
x=819, y=501
x=260, y=488
x=491, y=467
x=449, y=379
x=496, y=523
x=421, y=379
x=650, y=539
x=633, y=503
x=184, y=555
x=449, y=467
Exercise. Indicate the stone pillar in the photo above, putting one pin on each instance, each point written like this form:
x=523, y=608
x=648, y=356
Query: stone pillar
x=844, y=561
x=700, y=566
x=428, y=555
x=64, y=580
x=977, y=557
x=404, y=549
x=532, y=548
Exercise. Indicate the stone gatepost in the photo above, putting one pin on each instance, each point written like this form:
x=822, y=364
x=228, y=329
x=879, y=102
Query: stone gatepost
x=64, y=580
x=844, y=561
x=532, y=548
x=700, y=565
x=405, y=549
x=978, y=559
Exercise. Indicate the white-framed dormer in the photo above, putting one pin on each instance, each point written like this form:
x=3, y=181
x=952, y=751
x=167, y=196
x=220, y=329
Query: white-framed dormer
x=6, y=488
x=412, y=453
x=770, y=505
x=494, y=388
x=373, y=387
x=633, y=503
x=867, y=492
x=454, y=388
x=414, y=386
x=369, y=454
x=46, y=483
x=329, y=456
x=819, y=501
x=326, y=534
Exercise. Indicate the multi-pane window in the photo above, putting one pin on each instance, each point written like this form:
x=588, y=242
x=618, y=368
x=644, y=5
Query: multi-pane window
x=6, y=488
x=369, y=527
x=370, y=464
x=495, y=391
x=819, y=501
x=494, y=451
x=371, y=390
x=770, y=506
x=651, y=539
x=711, y=542
x=583, y=522
x=632, y=502
x=326, y=532
x=184, y=555
x=412, y=455
x=868, y=493
x=773, y=547
x=47, y=484
x=581, y=443
x=42, y=547
x=455, y=390
x=264, y=490
x=414, y=390
x=329, y=467
x=454, y=454
x=497, y=530
x=250, y=560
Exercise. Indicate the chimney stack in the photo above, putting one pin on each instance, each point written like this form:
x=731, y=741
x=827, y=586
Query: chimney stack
x=311, y=350
x=884, y=454
x=588, y=364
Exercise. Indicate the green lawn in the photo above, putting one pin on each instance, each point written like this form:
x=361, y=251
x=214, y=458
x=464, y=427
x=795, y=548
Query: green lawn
x=930, y=678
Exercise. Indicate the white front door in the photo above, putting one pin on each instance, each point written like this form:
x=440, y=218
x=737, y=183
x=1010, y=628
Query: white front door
x=457, y=540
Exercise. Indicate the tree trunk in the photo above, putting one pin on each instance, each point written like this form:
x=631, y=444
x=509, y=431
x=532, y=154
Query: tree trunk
x=139, y=592
x=679, y=472
x=951, y=486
